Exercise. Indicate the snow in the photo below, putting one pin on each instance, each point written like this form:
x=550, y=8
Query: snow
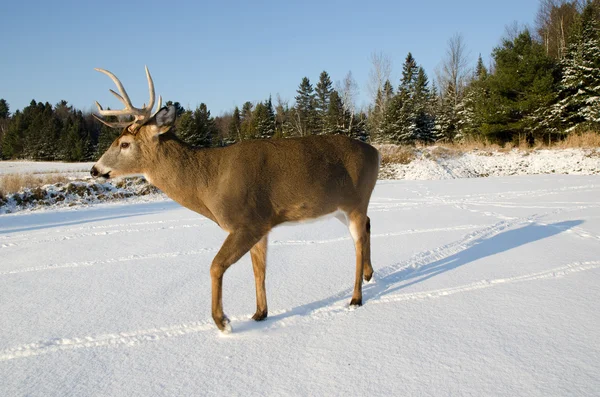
x=80, y=170
x=80, y=193
x=484, y=286
x=428, y=166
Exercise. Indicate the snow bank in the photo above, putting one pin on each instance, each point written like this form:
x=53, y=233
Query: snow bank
x=77, y=193
x=433, y=164
x=45, y=167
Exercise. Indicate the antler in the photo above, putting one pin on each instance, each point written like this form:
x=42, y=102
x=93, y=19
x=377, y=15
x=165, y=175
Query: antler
x=140, y=115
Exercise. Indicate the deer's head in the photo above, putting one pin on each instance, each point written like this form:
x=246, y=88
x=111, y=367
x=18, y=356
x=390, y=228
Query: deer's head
x=131, y=153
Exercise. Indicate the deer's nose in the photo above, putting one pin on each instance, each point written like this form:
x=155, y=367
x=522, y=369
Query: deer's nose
x=94, y=172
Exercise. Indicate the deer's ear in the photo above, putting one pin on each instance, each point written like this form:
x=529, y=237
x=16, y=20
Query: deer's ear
x=163, y=120
x=165, y=117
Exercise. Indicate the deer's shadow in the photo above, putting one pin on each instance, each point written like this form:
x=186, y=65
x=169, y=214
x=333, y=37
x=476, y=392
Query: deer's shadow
x=403, y=277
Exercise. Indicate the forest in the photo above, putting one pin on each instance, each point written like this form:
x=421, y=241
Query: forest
x=542, y=84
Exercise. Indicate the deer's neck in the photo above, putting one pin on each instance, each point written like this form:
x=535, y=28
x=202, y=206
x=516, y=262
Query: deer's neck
x=183, y=173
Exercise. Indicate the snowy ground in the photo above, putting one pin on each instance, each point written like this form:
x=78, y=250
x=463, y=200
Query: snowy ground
x=484, y=286
x=79, y=170
x=434, y=163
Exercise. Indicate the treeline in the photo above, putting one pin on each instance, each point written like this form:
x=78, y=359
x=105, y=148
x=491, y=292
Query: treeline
x=542, y=84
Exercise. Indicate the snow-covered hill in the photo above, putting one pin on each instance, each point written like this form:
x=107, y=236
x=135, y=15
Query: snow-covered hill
x=484, y=286
x=439, y=163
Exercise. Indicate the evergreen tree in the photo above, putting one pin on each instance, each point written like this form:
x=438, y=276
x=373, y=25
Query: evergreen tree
x=377, y=113
x=198, y=129
x=4, y=120
x=579, y=94
x=12, y=143
x=235, y=127
x=4, y=109
x=400, y=119
x=470, y=111
x=424, y=117
x=247, y=124
x=336, y=118
x=481, y=71
x=524, y=81
x=306, y=116
x=391, y=124
x=409, y=74
x=264, y=120
x=283, y=119
x=322, y=96
x=107, y=136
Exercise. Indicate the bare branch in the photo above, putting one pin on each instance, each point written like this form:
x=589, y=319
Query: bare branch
x=380, y=72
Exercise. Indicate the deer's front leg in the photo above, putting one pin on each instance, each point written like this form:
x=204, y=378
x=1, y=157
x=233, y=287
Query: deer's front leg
x=234, y=247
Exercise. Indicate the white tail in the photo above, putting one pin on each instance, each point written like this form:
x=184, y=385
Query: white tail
x=251, y=187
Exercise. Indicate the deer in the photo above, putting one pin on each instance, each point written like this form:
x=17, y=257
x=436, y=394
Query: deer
x=247, y=188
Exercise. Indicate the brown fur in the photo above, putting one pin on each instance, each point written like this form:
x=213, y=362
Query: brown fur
x=251, y=187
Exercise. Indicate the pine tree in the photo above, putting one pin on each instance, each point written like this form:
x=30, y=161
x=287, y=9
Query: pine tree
x=107, y=136
x=407, y=123
x=306, y=116
x=481, y=71
x=247, y=124
x=409, y=74
x=377, y=113
x=322, y=97
x=391, y=125
x=424, y=118
x=4, y=109
x=579, y=94
x=235, y=127
x=4, y=120
x=336, y=118
x=198, y=128
x=12, y=143
x=524, y=81
x=264, y=120
x=283, y=119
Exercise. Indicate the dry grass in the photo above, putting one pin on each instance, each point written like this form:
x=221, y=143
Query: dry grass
x=12, y=183
x=396, y=154
x=584, y=140
x=587, y=139
x=404, y=154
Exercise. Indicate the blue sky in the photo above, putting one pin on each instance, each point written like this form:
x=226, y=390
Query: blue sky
x=224, y=53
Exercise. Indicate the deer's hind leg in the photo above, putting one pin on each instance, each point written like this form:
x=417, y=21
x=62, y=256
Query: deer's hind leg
x=258, y=253
x=359, y=225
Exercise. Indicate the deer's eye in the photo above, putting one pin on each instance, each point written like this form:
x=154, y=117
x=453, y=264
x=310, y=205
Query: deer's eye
x=124, y=145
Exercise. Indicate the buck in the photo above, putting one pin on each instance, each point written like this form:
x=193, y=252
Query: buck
x=247, y=188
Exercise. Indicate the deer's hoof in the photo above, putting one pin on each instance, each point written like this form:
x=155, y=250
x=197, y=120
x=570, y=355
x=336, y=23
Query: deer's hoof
x=260, y=315
x=354, y=303
x=223, y=324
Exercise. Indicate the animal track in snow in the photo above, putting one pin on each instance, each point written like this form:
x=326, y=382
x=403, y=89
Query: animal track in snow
x=333, y=308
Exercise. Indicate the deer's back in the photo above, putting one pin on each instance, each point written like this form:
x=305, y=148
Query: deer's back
x=294, y=179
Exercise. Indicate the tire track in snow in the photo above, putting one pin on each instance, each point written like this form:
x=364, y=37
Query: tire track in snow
x=136, y=337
